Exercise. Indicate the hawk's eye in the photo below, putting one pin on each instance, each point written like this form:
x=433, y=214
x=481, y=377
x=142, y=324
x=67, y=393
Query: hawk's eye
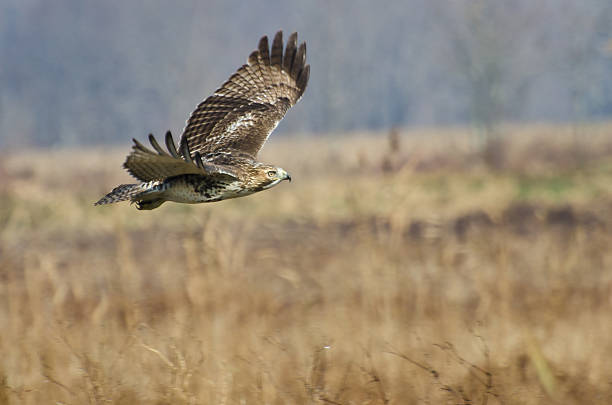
x=272, y=173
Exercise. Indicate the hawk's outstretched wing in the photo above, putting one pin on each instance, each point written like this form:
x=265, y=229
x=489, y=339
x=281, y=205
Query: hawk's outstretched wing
x=147, y=165
x=245, y=110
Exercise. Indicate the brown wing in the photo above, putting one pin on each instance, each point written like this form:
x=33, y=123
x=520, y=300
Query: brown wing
x=245, y=110
x=147, y=165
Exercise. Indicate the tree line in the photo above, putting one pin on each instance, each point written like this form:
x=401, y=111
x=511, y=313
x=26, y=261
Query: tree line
x=74, y=72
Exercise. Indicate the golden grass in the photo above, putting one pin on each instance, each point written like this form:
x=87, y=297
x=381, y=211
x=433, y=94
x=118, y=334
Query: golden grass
x=419, y=275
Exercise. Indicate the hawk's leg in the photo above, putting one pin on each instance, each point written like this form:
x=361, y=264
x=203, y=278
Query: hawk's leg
x=149, y=204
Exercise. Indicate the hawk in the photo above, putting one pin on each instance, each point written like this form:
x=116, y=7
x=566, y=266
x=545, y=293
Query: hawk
x=217, y=154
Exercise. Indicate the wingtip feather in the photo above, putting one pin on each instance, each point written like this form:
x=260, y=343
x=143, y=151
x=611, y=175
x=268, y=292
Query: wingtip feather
x=198, y=160
x=186, y=153
x=156, y=146
x=299, y=61
x=138, y=146
x=302, y=79
x=290, y=51
x=264, y=50
x=170, y=145
x=253, y=58
x=276, y=58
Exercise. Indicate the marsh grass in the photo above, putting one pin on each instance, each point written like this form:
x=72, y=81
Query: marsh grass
x=390, y=271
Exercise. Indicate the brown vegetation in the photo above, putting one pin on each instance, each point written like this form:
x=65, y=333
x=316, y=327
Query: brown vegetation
x=407, y=272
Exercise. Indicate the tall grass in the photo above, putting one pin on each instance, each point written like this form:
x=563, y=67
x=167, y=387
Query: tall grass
x=387, y=272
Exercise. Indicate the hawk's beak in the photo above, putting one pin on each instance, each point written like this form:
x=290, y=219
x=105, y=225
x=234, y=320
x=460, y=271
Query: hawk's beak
x=283, y=175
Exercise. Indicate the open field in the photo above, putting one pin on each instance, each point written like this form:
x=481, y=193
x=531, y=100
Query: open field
x=440, y=272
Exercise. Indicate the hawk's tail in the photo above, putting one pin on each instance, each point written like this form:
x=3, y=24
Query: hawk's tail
x=141, y=194
x=121, y=193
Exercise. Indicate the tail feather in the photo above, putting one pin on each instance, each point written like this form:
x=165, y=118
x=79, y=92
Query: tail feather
x=120, y=193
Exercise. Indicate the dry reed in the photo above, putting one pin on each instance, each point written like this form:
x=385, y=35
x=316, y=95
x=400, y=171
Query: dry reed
x=392, y=272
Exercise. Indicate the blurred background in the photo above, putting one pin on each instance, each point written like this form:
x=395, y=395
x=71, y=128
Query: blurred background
x=446, y=237
x=81, y=74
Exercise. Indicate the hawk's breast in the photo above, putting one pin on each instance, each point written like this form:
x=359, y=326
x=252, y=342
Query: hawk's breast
x=197, y=189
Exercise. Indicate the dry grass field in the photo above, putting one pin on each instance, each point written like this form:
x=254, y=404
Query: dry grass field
x=422, y=269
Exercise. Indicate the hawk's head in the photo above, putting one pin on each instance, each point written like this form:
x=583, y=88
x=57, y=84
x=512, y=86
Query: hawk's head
x=263, y=176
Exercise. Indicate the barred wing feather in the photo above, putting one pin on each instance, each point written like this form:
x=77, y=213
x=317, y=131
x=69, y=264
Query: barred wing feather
x=147, y=165
x=243, y=112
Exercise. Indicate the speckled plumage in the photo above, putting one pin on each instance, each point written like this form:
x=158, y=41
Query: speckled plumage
x=216, y=158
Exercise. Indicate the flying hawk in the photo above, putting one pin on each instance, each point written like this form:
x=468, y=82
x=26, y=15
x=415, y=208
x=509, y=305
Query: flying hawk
x=216, y=157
